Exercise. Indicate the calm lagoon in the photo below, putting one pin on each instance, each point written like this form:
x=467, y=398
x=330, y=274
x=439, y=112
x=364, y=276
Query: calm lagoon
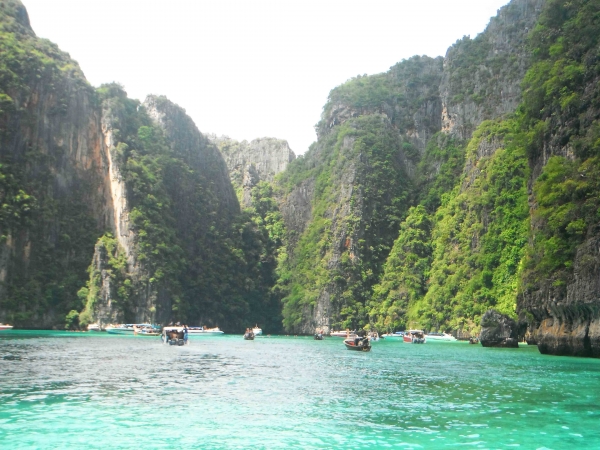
x=84, y=390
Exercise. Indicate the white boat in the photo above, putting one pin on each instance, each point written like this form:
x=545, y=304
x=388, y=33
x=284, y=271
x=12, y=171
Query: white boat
x=93, y=327
x=342, y=334
x=138, y=329
x=5, y=327
x=374, y=336
x=257, y=331
x=440, y=337
x=397, y=335
x=205, y=331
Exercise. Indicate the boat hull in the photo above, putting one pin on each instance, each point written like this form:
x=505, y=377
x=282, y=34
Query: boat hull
x=127, y=331
x=444, y=337
x=5, y=327
x=207, y=332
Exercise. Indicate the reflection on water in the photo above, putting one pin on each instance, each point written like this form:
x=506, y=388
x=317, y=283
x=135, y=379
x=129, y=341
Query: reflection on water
x=60, y=389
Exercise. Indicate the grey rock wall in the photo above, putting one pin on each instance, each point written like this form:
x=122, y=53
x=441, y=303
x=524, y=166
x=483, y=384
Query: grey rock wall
x=252, y=162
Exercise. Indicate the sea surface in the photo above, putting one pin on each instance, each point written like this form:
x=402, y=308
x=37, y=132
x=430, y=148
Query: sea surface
x=94, y=390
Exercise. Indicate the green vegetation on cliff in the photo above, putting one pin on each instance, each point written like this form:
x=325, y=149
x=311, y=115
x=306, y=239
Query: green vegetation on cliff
x=560, y=106
x=47, y=230
x=206, y=261
x=360, y=190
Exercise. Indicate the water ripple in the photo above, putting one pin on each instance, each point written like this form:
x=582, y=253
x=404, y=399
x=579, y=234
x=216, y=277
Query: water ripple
x=100, y=390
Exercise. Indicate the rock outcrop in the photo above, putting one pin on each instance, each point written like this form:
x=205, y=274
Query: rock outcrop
x=498, y=330
x=482, y=76
x=252, y=162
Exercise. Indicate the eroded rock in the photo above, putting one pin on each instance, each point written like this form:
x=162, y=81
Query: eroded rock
x=498, y=330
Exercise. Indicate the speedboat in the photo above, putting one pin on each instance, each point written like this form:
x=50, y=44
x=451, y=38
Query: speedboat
x=138, y=329
x=358, y=344
x=440, y=337
x=257, y=331
x=414, y=337
x=5, y=327
x=205, y=331
x=397, y=334
x=93, y=327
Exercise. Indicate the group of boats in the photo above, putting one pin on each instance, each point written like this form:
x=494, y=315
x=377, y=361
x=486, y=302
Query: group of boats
x=358, y=341
x=147, y=329
x=409, y=336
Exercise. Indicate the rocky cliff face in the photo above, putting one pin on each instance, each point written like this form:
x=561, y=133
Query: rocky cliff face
x=560, y=298
x=479, y=79
x=80, y=166
x=252, y=162
x=482, y=76
x=55, y=173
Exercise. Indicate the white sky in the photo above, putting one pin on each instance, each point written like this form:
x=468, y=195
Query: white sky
x=251, y=68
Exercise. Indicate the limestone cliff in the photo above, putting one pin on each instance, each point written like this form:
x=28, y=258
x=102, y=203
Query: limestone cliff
x=91, y=176
x=55, y=175
x=482, y=76
x=252, y=162
x=333, y=201
x=559, y=297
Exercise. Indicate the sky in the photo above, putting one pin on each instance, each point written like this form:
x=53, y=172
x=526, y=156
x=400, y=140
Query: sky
x=251, y=68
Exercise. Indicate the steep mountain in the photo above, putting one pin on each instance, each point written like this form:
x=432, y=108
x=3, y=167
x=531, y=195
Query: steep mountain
x=559, y=296
x=176, y=203
x=386, y=143
x=91, y=176
x=54, y=175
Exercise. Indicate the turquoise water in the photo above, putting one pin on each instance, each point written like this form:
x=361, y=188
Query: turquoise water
x=71, y=390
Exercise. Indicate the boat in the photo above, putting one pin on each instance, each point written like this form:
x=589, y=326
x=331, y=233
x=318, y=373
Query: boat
x=440, y=337
x=138, y=329
x=205, y=331
x=5, y=327
x=374, y=336
x=174, y=335
x=257, y=331
x=344, y=334
x=397, y=334
x=414, y=337
x=94, y=327
x=358, y=344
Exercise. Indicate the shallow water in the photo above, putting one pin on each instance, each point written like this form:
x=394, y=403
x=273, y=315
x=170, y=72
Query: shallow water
x=70, y=390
